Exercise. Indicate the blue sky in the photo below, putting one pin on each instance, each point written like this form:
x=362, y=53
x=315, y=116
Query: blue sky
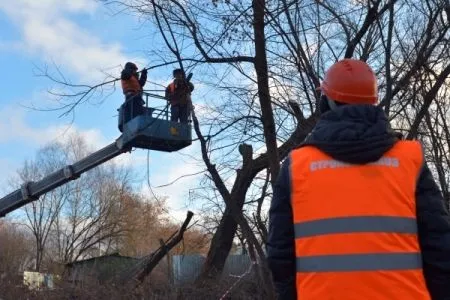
x=81, y=37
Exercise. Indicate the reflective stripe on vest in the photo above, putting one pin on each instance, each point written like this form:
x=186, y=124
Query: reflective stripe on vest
x=355, y=225
x=359, y=262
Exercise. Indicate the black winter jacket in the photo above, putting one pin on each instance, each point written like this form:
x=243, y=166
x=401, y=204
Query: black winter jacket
x=180, y=96
x=360, y=134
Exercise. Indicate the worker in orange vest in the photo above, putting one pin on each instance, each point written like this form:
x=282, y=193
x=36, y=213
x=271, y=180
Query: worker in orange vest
x=178, y=93
x=132, y=87
x=356, y=213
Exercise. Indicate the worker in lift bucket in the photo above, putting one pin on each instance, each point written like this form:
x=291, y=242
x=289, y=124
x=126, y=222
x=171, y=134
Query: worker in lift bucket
x=356, y=213
x=178, y=93
x=132, y=87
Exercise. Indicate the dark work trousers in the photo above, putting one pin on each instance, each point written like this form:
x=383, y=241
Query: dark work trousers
x=133, y=106
x=179, y=113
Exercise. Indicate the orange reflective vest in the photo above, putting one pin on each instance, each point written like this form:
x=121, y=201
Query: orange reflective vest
x=131, y=85
x=355, y=226
x=180, y=96
x=172, y=87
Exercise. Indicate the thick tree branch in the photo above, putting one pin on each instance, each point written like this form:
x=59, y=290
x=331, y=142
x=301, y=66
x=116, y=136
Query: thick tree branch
x=427, y=100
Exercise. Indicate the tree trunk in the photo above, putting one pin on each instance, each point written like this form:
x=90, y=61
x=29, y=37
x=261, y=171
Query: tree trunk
x=262, y=74
x=222, y=240
x=224, y=235
x=221, y=244
x=39, y=255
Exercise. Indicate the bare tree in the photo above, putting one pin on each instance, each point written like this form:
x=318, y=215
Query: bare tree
x=299, y=39
x=81, y=218
x=143, y=223
x=15, y=249
x=40, y=215
x=91, y=218
x=264, y=60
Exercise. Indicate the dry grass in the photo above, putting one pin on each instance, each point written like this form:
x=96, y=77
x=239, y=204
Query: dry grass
x=246, y=289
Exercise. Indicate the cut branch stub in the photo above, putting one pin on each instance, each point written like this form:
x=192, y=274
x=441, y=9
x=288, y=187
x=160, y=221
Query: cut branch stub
x=246, y=151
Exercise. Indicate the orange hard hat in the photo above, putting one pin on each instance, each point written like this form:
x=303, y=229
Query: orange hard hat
x=350, y=81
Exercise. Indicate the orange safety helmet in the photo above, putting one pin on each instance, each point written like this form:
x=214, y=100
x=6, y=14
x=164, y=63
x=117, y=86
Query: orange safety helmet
x=350, y=81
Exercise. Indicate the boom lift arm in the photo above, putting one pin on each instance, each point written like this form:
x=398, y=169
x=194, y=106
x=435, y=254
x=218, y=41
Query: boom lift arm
x=150, y=130
x=31, y=191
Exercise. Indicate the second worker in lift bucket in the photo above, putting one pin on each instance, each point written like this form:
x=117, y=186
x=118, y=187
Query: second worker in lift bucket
x=178, y=93
x=132, y=86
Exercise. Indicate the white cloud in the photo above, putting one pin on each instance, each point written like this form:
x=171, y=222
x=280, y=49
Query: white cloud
x=202, y=109
x=51, y=7
x=7, y=171
x=48, y=32
x=175, y=176
x=15, y=128
x=131, y=159
x=10, y=46
x=17, y=133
